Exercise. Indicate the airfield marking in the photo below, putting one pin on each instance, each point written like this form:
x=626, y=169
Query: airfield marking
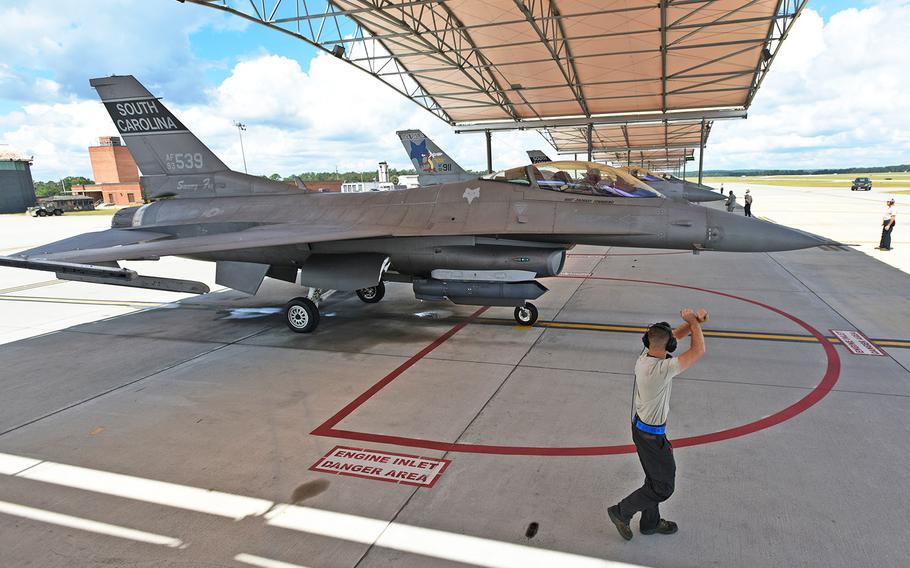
x=827, y=382
x=79, y=301
x=754, y=335
x=31, y=286
x=905, y=344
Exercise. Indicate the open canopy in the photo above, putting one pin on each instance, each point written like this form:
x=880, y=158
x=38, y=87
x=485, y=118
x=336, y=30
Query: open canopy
x=587, y=178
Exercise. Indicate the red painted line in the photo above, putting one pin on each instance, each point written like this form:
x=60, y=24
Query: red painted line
x=352, y=406
x=829, y=379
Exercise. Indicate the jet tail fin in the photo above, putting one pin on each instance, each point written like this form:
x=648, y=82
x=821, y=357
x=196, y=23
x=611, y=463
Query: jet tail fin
x=537, y=157
x=173, y=162
x=426, y=156
x=158, y=141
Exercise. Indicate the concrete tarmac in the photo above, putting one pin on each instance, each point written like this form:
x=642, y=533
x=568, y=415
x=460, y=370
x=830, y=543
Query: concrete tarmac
x=162, y=430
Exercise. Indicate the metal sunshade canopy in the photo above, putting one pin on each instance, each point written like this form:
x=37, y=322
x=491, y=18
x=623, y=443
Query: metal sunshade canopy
x=504, y=64
x=629, y=137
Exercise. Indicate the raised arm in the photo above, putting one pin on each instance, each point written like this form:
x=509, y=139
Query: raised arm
x=697, y=342
x=683, y=330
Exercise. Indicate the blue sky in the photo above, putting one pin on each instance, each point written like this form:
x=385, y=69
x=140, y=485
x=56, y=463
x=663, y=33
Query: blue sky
x=214, y=68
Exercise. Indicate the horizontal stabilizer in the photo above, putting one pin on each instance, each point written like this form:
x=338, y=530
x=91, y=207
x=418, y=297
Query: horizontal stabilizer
x=148, y=282
x=106, y=275
x=69, y=268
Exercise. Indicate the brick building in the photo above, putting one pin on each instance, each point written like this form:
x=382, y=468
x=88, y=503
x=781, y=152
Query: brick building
x=115, y=173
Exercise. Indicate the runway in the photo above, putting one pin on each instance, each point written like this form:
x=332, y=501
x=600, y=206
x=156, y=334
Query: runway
x=165, y=430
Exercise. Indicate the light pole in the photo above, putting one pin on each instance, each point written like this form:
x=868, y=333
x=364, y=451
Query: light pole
x=240, y=128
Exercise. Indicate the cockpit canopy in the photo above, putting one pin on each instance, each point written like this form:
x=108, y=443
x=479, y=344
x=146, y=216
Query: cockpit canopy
x=588, y=178
x=646, y=175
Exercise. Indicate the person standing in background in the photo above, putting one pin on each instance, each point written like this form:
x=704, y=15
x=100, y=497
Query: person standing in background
x=731, y=202
x=888, y=220
x=748, y=206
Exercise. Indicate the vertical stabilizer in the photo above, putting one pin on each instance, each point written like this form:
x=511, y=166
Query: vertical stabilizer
x=158, y=141
x=537, y=157
x=173, y=162
x=432, y=164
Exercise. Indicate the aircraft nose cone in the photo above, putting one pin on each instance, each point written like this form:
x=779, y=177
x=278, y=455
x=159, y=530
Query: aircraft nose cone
x=734, y=233
x=696, y=194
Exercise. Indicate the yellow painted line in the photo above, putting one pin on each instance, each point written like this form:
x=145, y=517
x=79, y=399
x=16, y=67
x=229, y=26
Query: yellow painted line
x=30, y=286
x=733, y=334
x=78, y=301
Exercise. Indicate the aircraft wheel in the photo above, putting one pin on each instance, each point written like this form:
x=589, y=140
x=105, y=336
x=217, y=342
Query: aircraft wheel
x=301, y=315
x=372, y=294
x=526, y=314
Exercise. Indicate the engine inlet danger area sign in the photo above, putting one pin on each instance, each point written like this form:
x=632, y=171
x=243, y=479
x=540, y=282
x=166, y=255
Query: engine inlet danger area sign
x=858, y=343
x=384, y=466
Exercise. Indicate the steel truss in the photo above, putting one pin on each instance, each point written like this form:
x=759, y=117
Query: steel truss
x=423, y=50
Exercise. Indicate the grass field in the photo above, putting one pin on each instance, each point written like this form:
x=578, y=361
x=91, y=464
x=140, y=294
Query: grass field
x=897, y=180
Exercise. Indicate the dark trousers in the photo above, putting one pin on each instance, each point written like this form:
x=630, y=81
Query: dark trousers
x=656, y=456
x=748, y=208
x=886, y=235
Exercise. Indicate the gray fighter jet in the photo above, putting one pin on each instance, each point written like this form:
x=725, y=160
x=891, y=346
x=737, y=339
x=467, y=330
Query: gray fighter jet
x=480, y=242
x=674, y=188
x=434, y=167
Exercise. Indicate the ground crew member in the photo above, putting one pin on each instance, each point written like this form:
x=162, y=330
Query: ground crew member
x=748, y=206
x=887, y=226
x=654, y=372
x=731, y=202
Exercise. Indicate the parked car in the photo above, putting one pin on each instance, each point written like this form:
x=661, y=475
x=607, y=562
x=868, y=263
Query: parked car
x=58, y=205
x=861, y=184
x=44, y=210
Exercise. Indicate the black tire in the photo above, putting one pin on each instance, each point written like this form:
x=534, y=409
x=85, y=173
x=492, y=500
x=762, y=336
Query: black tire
x=372, y=294
x=301, y=315
x=527, y=314
x=58, y=212
x=42, y=213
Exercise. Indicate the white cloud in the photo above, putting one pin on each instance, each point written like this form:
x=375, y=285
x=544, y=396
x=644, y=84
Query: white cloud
x=835, y=97
x=72, y=41
x=331, y=116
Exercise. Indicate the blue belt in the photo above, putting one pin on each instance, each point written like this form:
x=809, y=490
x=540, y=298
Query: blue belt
x=662, y=429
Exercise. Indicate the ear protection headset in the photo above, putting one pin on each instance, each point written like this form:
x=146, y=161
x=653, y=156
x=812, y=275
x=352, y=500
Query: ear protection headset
x=671, y=343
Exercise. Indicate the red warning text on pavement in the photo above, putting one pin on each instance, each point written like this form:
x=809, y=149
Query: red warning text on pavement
x=858, y=343
x=384, y=466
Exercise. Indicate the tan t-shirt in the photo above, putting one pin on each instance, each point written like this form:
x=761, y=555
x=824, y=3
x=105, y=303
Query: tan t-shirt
x=653, y=382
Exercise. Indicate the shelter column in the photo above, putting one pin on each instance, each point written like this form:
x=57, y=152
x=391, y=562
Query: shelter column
x=489, y=152
x=701, y=152
x=590, y=139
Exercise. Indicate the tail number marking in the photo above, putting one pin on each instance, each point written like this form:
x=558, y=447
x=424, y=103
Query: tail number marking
x=187, y=161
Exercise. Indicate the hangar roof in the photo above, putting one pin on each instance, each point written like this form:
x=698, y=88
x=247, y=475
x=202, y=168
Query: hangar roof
x=513, y=62
x=623, y=137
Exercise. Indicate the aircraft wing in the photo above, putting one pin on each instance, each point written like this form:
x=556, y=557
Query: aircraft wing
x=126, y=244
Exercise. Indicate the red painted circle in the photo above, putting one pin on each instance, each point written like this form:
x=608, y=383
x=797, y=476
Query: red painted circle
x=829, y=379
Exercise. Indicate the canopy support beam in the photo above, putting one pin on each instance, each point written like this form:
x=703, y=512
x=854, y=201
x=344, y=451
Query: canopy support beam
x=701, y=153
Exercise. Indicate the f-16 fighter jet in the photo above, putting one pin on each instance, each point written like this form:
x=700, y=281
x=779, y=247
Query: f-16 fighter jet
x=434, y=167
x=480, y=242
x=675, y=188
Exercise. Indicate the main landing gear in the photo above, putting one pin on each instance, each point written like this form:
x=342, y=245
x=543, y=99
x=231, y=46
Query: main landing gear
x=302, y=314
x=372, y=294
x=526, y=314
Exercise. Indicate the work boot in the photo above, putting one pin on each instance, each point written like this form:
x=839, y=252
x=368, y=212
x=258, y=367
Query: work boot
x=622, y=526
x=663, y=527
